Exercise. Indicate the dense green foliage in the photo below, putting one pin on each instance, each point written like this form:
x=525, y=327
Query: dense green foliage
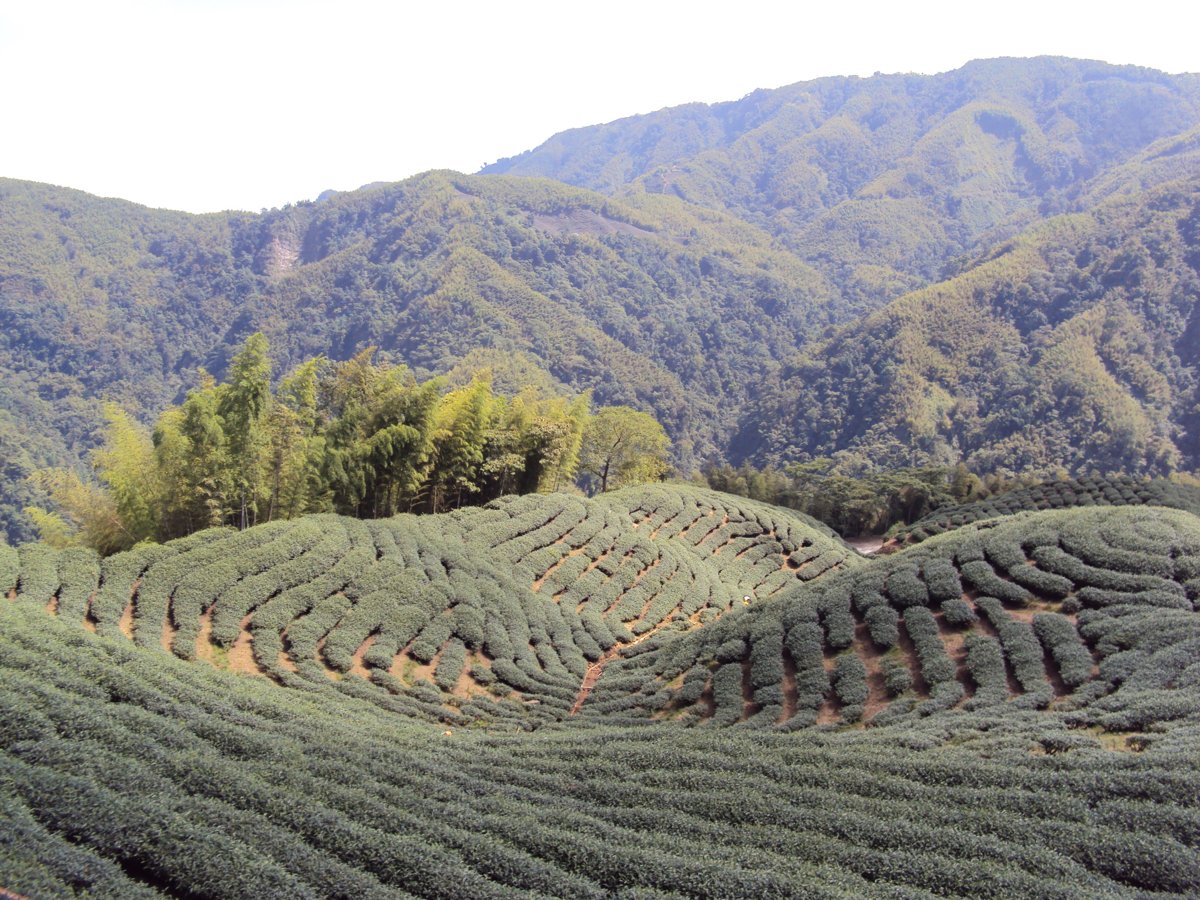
x=357, y=438
x=671, y=310
x=128, y=773
x=733, y=236
x=880, y=182
x=1086, y=610
x=855, y=503
x=1073, y=346
x=1060, y=494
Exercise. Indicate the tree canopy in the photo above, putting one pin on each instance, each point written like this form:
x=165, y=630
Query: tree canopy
x=363, y=437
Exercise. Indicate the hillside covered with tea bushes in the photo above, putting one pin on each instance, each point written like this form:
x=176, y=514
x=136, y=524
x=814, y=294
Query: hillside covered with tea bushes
x=1059, y=494
x=1087, y=611
x=508, y=612
x=575, y=698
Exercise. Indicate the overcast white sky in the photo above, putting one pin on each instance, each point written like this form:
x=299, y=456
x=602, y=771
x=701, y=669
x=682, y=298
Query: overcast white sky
x=215, y=104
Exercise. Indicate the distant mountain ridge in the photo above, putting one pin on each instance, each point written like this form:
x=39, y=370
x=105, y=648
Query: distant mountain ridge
x=881, y=181
x=733, y=277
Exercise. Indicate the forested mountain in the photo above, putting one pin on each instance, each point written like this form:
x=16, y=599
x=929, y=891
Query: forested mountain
x=655, y=304
x=879, y=182
x=732, y=277
x=1074, y=345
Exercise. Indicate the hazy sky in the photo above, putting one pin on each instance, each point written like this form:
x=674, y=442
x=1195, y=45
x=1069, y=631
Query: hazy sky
x=213, y=104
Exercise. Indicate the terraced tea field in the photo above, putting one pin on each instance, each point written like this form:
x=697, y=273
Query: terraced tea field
x=507, y=612
x=1062, y=609
x=331, y=707
x=1062, y=494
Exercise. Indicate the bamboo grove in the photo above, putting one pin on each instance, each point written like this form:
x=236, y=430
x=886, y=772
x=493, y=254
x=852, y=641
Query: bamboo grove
x=360, y=437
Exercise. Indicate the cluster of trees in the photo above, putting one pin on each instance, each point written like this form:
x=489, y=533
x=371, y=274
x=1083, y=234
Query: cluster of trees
x=855, y=502
x=360, y=437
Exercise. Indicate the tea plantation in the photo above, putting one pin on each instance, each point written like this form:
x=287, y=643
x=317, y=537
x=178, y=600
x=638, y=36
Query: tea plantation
x=528, y=699
x=1119, y=490
x=509, y=612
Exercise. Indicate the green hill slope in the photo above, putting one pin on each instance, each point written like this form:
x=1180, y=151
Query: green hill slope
x=1090, y=611
x=1073, y=346
x=673, y=309
x=1062, y=494
x=729, y=239
x=1044, y=743
x=508, y=612
x=881, y=181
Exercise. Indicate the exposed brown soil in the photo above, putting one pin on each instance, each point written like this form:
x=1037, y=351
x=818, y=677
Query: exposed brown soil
x=466, y=686
x=166, y=636
x=596, y=669
x=241, y=654
x=955, y=644
x=410, y=671
x=356, y=660
x=204, y=646
x=52, y=606
x=126, y=622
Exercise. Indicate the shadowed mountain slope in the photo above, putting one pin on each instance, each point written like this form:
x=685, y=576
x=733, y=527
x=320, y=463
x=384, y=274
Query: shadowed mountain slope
x=1073, y=346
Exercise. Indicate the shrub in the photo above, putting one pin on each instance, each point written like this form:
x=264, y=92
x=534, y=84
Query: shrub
x=957, y=613
x=1061, y=640
x=936, y=667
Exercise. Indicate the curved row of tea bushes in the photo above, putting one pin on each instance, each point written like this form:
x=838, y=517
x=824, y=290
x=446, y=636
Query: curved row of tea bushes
x=943, y=625
x=1118, y=490
x=126, y=772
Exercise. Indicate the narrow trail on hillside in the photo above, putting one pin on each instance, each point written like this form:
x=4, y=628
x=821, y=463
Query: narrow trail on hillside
x=596, y=669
